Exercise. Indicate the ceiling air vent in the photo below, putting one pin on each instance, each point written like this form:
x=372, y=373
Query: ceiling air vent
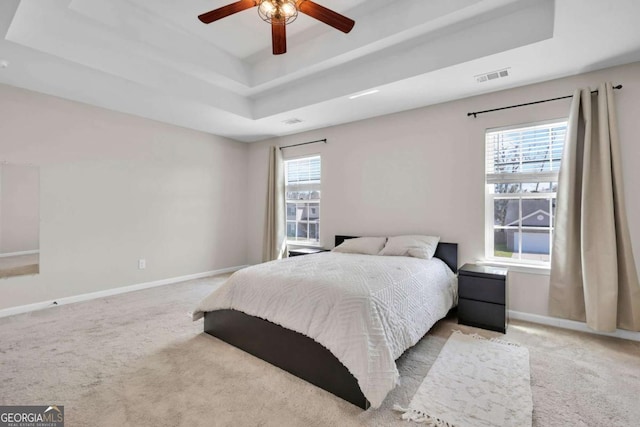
x=293, y=121
x=494, y=75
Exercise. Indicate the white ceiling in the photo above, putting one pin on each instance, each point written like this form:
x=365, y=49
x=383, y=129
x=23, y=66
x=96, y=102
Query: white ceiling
x=153, y=58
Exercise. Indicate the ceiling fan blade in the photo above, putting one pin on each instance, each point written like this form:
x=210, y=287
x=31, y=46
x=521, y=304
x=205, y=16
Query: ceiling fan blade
x=227, y=10
x=328, y=16
x=279, y=37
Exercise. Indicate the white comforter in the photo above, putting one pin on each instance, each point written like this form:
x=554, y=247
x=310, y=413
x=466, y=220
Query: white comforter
x=366, y=309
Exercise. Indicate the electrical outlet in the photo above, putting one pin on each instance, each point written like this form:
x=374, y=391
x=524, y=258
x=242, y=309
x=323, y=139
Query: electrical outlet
x=142, y=264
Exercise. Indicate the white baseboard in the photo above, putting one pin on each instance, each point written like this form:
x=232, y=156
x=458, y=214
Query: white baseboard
x=109, y=292
x=571, y=324
x=33, y=252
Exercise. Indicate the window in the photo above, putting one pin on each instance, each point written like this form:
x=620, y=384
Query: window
x=302, y=188
x=522, y=167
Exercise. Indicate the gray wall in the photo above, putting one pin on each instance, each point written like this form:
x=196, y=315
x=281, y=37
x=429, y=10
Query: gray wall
x=422, y=171
x=116, y=188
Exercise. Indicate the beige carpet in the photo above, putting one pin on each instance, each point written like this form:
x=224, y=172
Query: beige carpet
x=137, y=360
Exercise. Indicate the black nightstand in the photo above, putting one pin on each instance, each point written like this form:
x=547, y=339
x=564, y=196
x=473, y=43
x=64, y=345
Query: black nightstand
x=482, y=297
x=305, y=251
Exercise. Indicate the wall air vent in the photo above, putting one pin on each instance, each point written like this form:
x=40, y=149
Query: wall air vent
x=292, y=121
x=494, y=75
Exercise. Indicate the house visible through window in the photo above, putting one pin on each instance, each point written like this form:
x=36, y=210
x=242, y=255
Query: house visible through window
x=302, y=187
x=522, y=167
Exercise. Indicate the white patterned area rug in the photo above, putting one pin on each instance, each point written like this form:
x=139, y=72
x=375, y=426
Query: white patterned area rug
x=475, y=382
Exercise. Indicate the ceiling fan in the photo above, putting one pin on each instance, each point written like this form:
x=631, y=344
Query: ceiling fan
x=279, y=13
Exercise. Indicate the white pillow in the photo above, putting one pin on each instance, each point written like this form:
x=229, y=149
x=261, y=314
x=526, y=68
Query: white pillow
x=414, y=246
x=361, y=245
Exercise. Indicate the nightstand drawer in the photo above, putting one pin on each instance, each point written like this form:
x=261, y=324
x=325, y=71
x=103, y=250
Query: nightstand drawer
x=481, y=289
x=482, y=314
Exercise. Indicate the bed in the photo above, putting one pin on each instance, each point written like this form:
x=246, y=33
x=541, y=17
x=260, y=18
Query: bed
x=303, y=356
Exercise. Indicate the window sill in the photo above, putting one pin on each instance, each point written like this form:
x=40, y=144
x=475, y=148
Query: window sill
x=518, y=267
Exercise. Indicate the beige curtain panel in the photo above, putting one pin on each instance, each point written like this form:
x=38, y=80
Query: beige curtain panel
x=593, y=273
x=275, y=242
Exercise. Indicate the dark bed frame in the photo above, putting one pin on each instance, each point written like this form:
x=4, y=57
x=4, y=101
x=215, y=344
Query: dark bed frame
x=294, y=352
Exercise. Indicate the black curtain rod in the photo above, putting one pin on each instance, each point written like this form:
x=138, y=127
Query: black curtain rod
x=475, y=114
x=305, y=143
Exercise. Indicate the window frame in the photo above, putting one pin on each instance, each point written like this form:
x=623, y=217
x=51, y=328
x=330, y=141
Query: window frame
x=529, y=177
x=303, y=243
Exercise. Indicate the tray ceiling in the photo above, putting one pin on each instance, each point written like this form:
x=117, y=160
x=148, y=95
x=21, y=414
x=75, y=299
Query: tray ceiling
x=154, y=59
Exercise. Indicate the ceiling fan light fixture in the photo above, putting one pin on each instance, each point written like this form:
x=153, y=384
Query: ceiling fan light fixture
x=281, y=12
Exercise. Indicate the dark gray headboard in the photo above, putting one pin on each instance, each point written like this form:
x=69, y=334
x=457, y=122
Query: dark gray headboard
x=447, y=252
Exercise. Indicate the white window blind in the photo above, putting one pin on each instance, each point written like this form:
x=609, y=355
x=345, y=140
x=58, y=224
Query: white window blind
x=525, y=154
x=303, y=171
